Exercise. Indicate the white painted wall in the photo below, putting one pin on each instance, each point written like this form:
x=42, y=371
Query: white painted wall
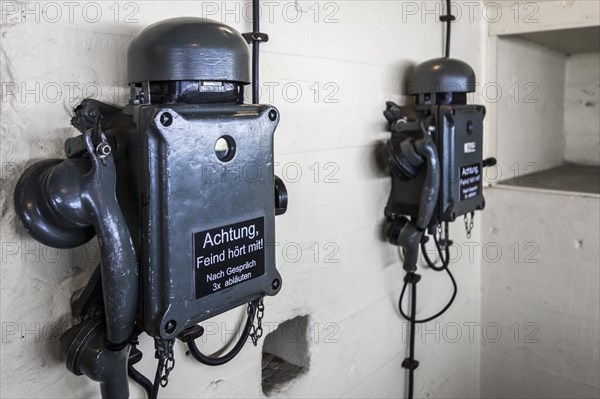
x=530, y=110
x=523, y=16
x=358, y=60
x=582, y=109
x=542, y=293
x=540, y=285
x=547, y=110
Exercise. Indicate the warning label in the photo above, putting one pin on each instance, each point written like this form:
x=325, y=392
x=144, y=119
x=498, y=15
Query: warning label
x=229, y=255
x=470, y=181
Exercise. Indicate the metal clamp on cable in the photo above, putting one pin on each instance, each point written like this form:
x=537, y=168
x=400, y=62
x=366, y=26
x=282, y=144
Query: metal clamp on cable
x=252, y=37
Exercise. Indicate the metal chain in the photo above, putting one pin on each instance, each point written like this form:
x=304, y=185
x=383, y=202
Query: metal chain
x=440, y=235
x=256, y=309
x=469, y=223
x=166, y=359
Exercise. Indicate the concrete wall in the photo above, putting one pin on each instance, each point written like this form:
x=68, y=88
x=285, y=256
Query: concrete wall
x=530, y=107
x=582, y=109
x=540, y=295
x=346, y=59
x=540, y=285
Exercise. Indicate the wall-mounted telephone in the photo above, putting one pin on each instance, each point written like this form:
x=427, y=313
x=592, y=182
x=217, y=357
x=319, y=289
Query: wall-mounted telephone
x=435, y=158
x=183, y=236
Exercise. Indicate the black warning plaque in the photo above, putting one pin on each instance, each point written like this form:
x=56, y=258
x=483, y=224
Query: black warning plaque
x=470, y=181
x=228, y=255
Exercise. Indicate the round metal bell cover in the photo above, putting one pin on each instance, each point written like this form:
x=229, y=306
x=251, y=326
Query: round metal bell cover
x=188, y=49
x=441, y=75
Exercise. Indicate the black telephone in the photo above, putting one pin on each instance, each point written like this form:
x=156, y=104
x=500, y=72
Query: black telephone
x=435, y=158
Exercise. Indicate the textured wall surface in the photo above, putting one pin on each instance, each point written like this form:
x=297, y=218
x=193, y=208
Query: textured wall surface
x=530, y=108
x=540, y=295
x=540, y=287
x=329, y=67
x=582, y=109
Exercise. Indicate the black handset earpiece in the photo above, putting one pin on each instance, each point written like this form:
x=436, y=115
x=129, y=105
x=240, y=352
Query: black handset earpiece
x=406, y=157
x=402, y=159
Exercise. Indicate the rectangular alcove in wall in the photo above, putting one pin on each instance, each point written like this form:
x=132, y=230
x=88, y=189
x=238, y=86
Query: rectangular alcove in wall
x=544, y=289
x=548, y=113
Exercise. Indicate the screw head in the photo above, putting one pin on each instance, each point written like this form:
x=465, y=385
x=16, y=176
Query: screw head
x=275, y=284
x=166, y=119
x=103, y=150
x=170, y=326
x=272, y=115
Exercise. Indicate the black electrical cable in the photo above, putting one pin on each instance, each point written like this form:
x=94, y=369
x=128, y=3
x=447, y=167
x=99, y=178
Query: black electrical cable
x=156, y=385
x=411, y=278
x=448, y=29
x=255, y=49
x=218, y=361
x=150, y=388
x=448, y=18
x=444, y=258
x=411, y=363
x=133, y=373
x=141, y=380
x=441, y=312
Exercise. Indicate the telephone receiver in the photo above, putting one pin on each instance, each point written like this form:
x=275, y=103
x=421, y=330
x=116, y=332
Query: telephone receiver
x=405, y=158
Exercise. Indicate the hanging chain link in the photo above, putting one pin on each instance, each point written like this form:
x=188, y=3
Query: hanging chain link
x=256, y=309
x=166, y=359
x=440, y=235
x=469, y=223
